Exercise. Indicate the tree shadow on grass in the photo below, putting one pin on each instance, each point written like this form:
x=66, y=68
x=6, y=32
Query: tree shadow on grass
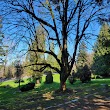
x=7, y=96
x=39, y=98
x=47, y=87
x=12, y=98
x=90, y=97
x=94, y=98
x=91, y=102
x=43, y=97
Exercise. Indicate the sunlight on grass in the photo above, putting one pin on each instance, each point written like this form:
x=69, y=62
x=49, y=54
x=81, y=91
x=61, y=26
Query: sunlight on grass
x=12, y=98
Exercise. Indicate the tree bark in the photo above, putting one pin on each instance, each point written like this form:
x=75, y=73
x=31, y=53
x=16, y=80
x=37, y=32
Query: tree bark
x=19, y=83
x=63, y=78
x=62, y=86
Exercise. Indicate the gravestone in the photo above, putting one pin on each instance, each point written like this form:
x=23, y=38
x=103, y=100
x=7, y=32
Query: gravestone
x=49, y=78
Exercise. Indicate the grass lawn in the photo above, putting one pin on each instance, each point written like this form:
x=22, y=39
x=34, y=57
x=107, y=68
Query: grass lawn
x=43, y=96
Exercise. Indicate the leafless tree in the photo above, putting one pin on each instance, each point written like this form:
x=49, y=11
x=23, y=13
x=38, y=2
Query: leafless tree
x=66, y=22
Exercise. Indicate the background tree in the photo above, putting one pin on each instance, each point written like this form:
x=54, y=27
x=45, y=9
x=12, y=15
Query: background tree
x=19, y=71
x=82, y=55
x=83, y=70
x=102, y=52
x=9, y=73
x=60, y=19
x=3, y=49
x=34, y=57
x=90, y=59
x=50, y=59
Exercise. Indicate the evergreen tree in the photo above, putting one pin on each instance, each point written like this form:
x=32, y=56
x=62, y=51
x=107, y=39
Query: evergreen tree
x=102, y=52
x=83, y=71
x=90, y=59
x=3, y=49
x=82, y=55
x=35, y=57
x=1, y=44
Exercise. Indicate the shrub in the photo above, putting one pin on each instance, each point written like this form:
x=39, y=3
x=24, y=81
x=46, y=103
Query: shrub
x=49, y=78
x=72, y=77
x=27, y=87
x=85, y=74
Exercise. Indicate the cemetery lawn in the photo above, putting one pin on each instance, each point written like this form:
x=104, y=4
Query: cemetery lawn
x=79, y=96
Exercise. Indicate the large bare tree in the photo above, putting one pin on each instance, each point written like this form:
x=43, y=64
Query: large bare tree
x=66, y=22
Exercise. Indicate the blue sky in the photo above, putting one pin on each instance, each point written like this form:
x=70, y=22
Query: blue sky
x=93, y=28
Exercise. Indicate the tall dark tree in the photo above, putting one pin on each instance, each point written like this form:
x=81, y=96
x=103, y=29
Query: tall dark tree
x=64, y=21
x=102, y=52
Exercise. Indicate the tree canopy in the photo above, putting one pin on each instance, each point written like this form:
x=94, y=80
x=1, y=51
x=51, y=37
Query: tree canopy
x=66, y=22
x=102, y=52
x=3, y=48
x=82, y=55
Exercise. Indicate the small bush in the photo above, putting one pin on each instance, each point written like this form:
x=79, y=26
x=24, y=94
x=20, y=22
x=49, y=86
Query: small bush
x=85, y=74
x=71, y=79
x=49, y=78
x=27, y=87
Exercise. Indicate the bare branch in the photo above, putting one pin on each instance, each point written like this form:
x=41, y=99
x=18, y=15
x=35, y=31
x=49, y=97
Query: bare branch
x=48, y=52
x=44, y=66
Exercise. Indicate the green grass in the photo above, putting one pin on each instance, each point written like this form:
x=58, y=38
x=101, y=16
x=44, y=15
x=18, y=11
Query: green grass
x=42, y=96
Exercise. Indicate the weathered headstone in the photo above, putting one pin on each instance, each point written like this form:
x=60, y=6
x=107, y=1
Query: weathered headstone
x=49, y=78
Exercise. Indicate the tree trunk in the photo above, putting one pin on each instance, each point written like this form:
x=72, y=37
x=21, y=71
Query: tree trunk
x=62, y=86
x=19, y=84
x=63, y=78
